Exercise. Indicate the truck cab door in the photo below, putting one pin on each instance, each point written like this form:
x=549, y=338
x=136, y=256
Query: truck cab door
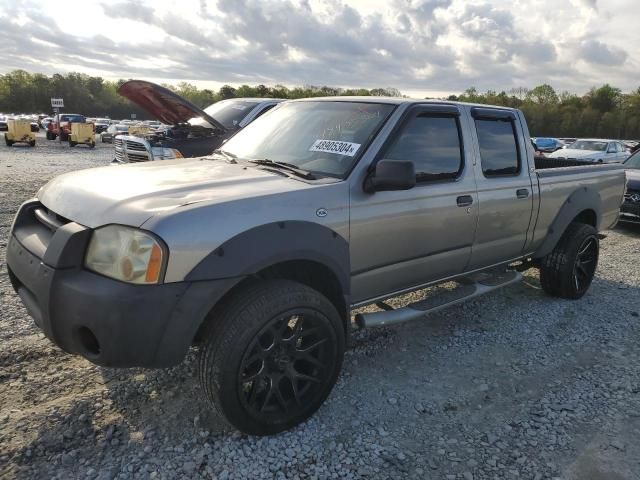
x=505, y=189
x=402, y=239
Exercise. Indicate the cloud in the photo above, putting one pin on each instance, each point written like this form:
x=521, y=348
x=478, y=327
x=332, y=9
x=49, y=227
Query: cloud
x=599, y=53
x=129, y=10
x=428, y=45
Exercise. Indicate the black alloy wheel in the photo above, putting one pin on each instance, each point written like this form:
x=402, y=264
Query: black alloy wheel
x=286, y=365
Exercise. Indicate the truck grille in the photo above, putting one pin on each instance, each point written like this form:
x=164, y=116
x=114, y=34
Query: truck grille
x=49, y=219
x=632, y=197
x=131, y=149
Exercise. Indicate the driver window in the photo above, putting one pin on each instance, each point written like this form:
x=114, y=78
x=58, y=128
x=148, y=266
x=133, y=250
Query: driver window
x=432, y=143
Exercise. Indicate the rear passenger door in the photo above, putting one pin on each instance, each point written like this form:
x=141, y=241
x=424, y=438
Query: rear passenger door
x=400, y=239
x=505, y=191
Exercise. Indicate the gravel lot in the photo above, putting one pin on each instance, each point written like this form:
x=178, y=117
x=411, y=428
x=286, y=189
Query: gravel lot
x=512, y=385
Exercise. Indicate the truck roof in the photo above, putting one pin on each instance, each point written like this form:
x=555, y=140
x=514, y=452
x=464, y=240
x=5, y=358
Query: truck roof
x=395, y=101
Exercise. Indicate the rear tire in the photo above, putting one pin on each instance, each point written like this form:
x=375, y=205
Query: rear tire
x=567, y=272
x=7, y=141
x=271, y=355
x=32, y=143
x=72, y=144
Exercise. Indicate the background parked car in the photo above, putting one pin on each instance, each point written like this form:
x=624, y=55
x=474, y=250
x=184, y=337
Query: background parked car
x=547, y=145
x=630, y=208
x=101, y=124
x=44, y=123
x=593, y=150
x=110, y=133
x=3, y=124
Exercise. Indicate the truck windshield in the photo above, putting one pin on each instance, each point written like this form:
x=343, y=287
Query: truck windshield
x=633, y=161
x=317, y=136
x=589, y=145
x=228, y=112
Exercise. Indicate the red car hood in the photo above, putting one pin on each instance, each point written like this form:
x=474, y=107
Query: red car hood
x=164, y=104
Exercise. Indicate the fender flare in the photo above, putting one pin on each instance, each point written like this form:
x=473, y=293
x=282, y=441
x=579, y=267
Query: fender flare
x=582, y=199
x=260, y=247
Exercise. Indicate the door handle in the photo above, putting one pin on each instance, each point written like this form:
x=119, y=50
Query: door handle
x=522, y=193
x=464, y=200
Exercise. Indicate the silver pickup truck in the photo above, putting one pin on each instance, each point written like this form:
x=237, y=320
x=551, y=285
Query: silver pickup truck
x=258, y=253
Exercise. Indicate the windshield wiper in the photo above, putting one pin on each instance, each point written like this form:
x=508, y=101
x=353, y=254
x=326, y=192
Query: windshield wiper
x=289, y=167
x=228, y=155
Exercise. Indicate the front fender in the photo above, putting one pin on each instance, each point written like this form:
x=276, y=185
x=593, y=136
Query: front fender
x=253, y=250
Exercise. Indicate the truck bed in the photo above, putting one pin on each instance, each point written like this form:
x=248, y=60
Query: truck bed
x=557, y=183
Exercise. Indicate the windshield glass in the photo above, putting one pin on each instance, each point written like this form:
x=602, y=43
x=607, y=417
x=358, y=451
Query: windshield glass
x=633, y=161
x=122, y=128
x=589, y=145
x=320, y=137
x=228, y=112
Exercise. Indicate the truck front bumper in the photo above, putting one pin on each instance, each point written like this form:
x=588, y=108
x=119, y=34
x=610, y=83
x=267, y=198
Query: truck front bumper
x=110, y=323
x=630, y=212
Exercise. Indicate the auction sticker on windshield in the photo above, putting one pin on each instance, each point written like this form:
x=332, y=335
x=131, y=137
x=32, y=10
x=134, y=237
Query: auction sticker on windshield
x=335, y=146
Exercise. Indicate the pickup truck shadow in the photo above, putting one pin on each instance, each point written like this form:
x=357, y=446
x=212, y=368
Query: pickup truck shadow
x=171, y=401
x=472, y=365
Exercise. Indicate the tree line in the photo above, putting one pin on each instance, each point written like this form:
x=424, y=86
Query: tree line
x=603, y=111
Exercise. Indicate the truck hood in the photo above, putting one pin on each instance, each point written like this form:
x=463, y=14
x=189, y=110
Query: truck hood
x=132, y=194
x=575, y=153
x=164, y=104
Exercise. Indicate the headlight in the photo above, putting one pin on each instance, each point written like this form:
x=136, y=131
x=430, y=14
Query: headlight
x=126, y=254
x=162, y=153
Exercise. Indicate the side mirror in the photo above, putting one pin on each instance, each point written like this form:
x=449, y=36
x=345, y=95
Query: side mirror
x=391, y=175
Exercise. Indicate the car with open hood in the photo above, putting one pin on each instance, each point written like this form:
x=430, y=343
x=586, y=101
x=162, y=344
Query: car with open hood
x=191, y=131
x=593, y=150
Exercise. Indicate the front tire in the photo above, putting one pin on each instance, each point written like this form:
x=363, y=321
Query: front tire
x=271, y=355
x=7, y=141
x=567, y=272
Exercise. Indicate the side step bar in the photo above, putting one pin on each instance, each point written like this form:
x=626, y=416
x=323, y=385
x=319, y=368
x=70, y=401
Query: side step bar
x=468, y=287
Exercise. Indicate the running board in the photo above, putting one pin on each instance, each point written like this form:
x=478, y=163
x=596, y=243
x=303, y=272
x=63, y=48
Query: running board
x=468, y=287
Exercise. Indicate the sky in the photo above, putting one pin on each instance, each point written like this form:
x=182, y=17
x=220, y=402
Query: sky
x=422, y=47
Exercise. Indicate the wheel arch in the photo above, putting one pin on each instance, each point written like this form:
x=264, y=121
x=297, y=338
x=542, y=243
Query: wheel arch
x=307, y=272
x=306, y=252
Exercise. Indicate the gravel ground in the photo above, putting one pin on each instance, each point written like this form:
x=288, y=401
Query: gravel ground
x=512, y=385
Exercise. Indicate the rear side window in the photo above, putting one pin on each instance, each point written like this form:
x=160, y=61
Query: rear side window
x=498, y=147
x=433, y=143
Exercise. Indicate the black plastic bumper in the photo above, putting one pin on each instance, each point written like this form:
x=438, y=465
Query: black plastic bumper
x=630, y=212
x=111, y=323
